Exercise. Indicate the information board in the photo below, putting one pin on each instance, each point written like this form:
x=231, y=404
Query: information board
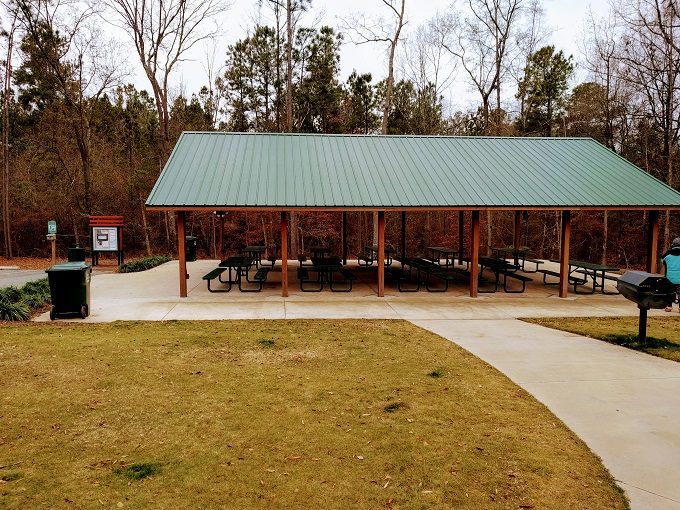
x=105, y=238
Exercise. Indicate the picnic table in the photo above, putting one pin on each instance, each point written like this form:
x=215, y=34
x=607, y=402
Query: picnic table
x=442, y=252
x=580, y=271
x=326, y=269
x=503, y=268
x=255, y=253
x=237, y=269
x=519, y=256
x=319, y=251
x=389, y=253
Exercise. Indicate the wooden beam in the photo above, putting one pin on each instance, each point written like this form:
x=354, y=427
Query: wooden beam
x=518, y=234
x=461, y=236
x=474, y=254
x=381, y=253
x=403, y=234
x=284, y=254
x=182, y=254
x=652, y=241
x=344, y=237
x=564, y=253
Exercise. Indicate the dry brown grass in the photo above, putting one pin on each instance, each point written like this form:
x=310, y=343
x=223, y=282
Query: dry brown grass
x=276, y=414
x=663, y=333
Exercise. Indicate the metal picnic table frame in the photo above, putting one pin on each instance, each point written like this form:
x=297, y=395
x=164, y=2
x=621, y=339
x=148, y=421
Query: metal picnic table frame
x=255, y=253
x=389, y=254
x=442, y=252
x=596, y=272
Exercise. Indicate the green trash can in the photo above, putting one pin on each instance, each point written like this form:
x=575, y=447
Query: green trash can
x=76, y=253
x=190, y=245
x=70, y=289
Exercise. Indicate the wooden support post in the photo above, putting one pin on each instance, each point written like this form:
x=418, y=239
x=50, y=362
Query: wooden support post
x=652, y=241
x=564, y=253
x=53, y=242
x=403, y=234
x=182, y=254
x=344, y=237
x=284, y=254
x=474, y=254
x=518, y=234
x=461, y=236
x=381, y=253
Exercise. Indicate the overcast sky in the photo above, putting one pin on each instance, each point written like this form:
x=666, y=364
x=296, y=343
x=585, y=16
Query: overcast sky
x=566, y=17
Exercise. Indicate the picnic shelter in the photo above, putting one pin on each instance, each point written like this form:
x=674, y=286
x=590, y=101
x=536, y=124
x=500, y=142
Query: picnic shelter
x=219, y=171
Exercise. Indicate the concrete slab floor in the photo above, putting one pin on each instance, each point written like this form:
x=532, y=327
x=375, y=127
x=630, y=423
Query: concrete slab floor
x=623, y=404
x=153, y=295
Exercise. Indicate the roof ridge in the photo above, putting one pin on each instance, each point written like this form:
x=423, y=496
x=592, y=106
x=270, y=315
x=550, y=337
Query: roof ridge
x=380, y=135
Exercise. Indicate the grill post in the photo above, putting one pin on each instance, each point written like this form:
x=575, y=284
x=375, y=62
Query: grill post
x=642, y=326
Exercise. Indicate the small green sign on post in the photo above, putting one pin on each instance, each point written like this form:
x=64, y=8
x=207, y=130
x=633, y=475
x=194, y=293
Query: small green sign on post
x=51, y=227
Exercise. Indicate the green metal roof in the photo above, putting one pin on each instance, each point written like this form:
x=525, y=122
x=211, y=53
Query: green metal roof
x=255, y=170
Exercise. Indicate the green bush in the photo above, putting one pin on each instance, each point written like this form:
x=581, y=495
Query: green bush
x=14, y=311
x=137, y=265
x=18, y=304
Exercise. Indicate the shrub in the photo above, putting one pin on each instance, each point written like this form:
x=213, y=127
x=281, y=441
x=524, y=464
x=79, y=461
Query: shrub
x=137, y=265
x=18, y=304
x=14, y=311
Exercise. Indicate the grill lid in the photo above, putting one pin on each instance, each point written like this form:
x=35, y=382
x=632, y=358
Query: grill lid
x=647, y=282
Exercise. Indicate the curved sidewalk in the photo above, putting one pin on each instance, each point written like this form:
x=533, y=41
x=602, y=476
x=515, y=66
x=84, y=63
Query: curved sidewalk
x=624, y=404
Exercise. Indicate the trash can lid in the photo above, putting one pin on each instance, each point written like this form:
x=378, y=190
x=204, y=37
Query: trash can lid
x=69, y=266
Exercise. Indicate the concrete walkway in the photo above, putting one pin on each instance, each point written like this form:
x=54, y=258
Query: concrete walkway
x=625, y=405
x=19, y=277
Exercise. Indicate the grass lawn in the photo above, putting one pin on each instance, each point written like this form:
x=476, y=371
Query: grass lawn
x=663, y=333
x=275, y=414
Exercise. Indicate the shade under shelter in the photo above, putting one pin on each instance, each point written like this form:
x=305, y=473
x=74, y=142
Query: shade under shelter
x=209, y=171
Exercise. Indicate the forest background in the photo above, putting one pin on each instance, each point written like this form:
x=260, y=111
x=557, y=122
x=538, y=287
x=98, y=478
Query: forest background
x=79, y=138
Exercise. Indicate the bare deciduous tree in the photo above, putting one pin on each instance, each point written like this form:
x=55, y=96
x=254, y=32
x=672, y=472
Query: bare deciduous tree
x=480, y=41
x=82, y=63
x=425, y=60
x=364, y=31
x=163, y=32
x=652, y=54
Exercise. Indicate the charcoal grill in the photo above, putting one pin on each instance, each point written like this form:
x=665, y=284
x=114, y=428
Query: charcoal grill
x=648, y=291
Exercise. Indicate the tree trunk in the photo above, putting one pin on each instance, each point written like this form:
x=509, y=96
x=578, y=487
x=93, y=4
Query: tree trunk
x=605, y=228
x=293, y=246
x=489, y=221
x=387, y=106
x=145, y=225
x=289, y=67
x=7, y=90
